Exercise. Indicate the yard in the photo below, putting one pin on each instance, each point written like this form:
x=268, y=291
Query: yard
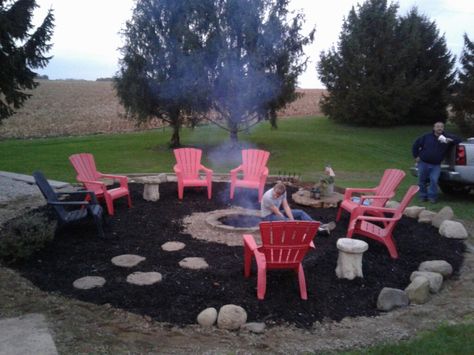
x=358, y=156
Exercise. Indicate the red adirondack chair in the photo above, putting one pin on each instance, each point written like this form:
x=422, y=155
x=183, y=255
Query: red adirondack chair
x=382, y=232
x=254, y=172
x=87, y=173
x=284, y=245
x=376, y=197
x=187, y=168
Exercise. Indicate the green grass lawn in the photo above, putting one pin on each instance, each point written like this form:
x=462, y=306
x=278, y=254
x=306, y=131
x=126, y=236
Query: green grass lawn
x=303, y=146
x=446, y=339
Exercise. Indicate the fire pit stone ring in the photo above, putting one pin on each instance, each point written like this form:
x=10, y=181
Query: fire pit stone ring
x=214, y=219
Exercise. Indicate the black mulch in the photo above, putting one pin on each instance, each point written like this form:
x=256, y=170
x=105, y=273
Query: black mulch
x=77, y=252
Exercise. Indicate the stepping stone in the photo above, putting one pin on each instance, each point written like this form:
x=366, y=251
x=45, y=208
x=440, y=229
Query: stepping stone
x=173, y=246
x=88, y=282
x=193, y=263
x=127, y=260
x=144, y=278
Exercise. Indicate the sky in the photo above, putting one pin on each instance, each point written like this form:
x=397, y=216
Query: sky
x=87, y=32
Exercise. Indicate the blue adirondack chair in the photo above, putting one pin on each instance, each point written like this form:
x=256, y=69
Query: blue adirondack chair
x=87, y=207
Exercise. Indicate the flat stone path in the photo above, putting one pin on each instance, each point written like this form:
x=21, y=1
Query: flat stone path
x=127, y=260
x=144, y=278
x=19, y=193
x=30, y=180
x=26, y=335
x=88, y=282
x=173, y=246
x=193, y=263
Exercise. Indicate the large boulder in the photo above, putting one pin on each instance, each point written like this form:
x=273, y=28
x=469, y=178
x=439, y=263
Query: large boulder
x=392, y=204
x=440, y=266
x=435, y=279
x=453, y=229
x=413, y=211
x=390, y=298
x=207, y=317
x=418, y=290
x=231, y=317
x=426, y=216
x=445, y=214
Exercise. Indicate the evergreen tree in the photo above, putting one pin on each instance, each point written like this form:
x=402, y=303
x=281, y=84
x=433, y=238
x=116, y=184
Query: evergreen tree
x=259, y=56
x=386, y=70
x=428, y=68
x=361, y=74
x=164, y=69
x=20, y=51
x=463, y=99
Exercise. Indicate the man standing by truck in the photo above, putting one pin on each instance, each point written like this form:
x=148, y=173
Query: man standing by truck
x=429, y=150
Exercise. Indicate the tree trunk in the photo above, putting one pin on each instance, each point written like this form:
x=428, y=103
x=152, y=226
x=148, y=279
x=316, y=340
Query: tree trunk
x=234, y=139
x=174, y=116
x=175, y=143
x=233, y=134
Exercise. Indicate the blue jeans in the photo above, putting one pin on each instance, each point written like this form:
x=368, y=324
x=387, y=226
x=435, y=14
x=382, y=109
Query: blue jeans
x=428, y=174
x=297, y=215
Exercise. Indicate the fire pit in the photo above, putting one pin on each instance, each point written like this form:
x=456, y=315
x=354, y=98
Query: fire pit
x=240, y=221
x=235, y=219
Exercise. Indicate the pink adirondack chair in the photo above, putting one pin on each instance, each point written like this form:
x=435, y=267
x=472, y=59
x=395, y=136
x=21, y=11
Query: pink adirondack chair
x=376, y=197
x=254, y=172
x=284, y=245
x=87, y=173
x=364, y=225
x=187, y=168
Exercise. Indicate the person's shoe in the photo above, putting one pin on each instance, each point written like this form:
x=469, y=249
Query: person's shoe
x=329, y=226
x=325, y=229
x=432, y=200
x=322, y=232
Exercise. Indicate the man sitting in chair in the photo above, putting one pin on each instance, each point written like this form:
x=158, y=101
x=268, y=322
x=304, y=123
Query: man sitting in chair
x=275, y=198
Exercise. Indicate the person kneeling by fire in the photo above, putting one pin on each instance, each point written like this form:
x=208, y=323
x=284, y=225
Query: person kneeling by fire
x=275, y=198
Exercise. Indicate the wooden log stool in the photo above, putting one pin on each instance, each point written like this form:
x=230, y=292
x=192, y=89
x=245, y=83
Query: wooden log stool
x=349, y=261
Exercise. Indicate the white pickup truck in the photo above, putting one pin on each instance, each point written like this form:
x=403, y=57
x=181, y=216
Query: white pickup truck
x=457, y=171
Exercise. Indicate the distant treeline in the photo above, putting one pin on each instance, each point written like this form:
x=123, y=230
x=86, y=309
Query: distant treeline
x=45, y=77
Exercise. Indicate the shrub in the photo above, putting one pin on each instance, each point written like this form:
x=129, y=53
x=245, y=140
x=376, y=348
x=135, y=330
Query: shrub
x=463, y=103
x=23, y=236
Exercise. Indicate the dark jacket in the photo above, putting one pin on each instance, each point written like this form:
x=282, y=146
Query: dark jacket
x=430, y=150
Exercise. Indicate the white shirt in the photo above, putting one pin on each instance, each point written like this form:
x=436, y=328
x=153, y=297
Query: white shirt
x=268, y=201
